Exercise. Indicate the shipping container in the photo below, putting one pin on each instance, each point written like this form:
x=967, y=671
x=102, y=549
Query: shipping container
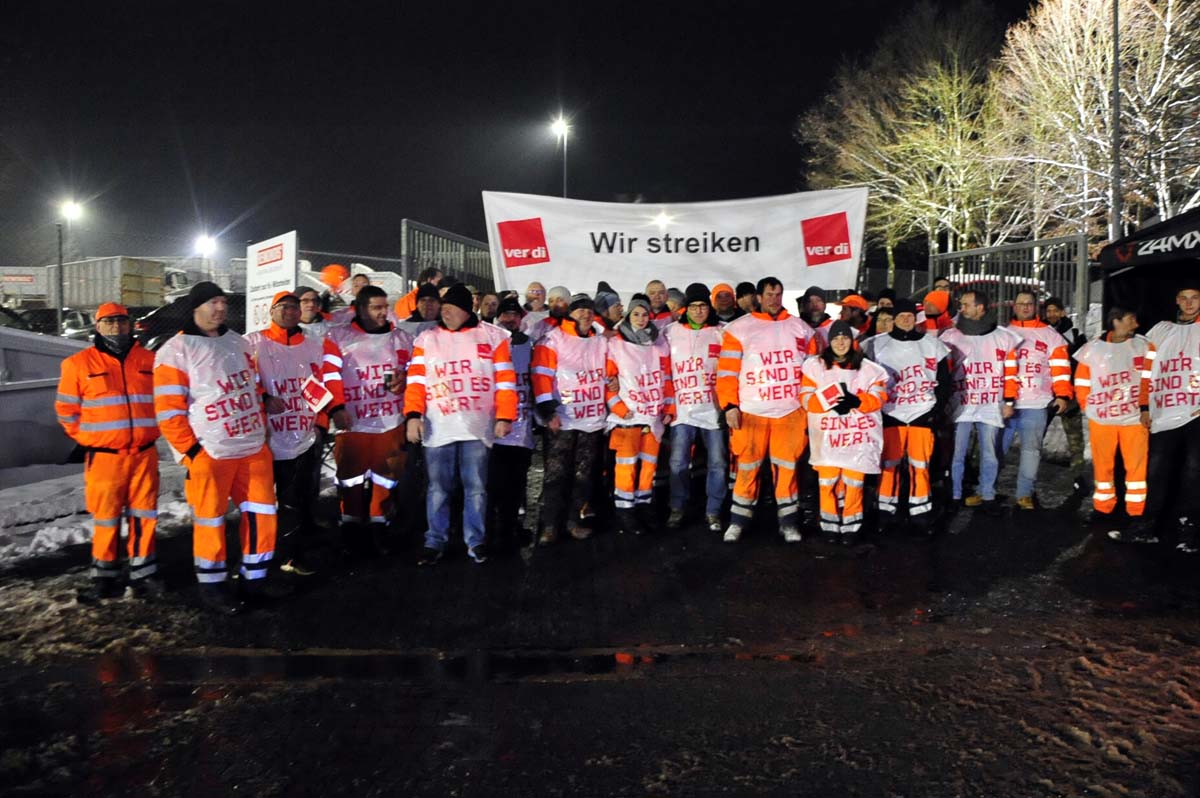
x=86, y=283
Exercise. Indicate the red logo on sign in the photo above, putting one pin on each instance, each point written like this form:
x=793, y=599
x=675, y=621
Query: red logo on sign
x=522, y=242
x=826, y=238
x=1001, y=354
x=1041, y=346
x=801, y=345
x=270, y=255
x=714, y=350
x=1138, y=363
x=931, y=364
x=484, y=351
x=1125, y=252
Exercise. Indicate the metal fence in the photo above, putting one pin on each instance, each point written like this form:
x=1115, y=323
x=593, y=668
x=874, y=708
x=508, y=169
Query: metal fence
x=1048, y=267
x=465, y=259
x=906, y=282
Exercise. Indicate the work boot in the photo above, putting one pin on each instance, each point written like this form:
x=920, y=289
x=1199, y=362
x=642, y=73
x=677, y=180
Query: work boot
x=1140, y=531
x=1188, y=541
x=100, y=590
x=675, y=520
x=627, y=521
x=298, y=566
x=974, y=500
x=430, y=556
x=149, y=588
x=733, y=533
x=218, y=599
x=646, y=517
x=791, y=533
x=1025, y=503
x=714, y=522
x=548, y=536
x=478, y=554
x=581, y=531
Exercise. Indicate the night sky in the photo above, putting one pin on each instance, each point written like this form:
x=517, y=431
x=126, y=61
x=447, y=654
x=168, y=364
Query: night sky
x=248, y=119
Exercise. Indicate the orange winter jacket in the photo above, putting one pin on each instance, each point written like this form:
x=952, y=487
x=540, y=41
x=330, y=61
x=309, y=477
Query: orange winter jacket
x=107, y=403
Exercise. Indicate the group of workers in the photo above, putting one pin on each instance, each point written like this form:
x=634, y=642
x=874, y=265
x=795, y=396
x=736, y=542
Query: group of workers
x=450, y=389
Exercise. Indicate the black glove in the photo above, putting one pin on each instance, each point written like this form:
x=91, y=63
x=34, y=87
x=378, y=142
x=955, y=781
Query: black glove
x=841, y=408
x=852, y=401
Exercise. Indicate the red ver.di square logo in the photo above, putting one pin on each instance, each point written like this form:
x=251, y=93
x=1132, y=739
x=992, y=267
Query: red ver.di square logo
x=522, y=242
x=826, y=238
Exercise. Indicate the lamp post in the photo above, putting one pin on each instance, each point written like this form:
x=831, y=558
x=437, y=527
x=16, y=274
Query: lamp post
x=562, y=130
x=70, y=211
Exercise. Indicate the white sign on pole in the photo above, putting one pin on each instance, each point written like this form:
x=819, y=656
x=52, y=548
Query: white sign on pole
x=807, y=238
x=270, y=268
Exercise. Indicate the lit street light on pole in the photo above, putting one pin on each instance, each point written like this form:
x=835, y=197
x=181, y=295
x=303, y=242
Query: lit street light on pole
x=70, y=211
x=562, y=130
x=206, y=245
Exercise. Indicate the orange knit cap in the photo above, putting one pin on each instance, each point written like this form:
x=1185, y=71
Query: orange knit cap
x=939, y=300
x=855, y=301
x=718, y=288
x=110, y=309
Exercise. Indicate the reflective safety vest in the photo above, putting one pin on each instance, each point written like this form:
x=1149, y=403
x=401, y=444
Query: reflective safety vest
x=1112, y=381
x=644, y=384
x=760, y=362
x=106, y=403
x=318, y=328
x=570, y=370
x=694, y=356
x=522, y=431
x=853, y=441
x=284, y=363
x=367, y=360
x=1043, y=366
x=912, y=368
x=1175, y=379
x=206, y=391
x=462, y=382
x=984, y=374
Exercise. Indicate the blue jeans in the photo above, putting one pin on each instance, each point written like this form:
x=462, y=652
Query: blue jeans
x=465, y=461
x=1031, y=424
x=989, y=466
x=682, y=436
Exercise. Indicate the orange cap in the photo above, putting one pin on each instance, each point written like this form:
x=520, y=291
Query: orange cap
x=334, y=275
x=855, y=301
x=718, y=288
x=937, y=299
x=110, y=309
x=282, y=295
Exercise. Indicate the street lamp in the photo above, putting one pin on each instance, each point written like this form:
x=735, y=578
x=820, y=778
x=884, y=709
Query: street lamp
x=205, y=245
x=70, y=211
x=562, y=130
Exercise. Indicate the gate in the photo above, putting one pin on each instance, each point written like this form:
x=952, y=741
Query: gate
x=465, y=259
x=1048, y=267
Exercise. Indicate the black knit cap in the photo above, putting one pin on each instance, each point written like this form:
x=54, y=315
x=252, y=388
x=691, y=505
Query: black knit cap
x=904, y=305
x=697, y=292
x=745, y=289
x=814, y=290
x=840, y=327
x=581, y=301
x=510, y=305
x=429, y=290
x=202, y=292
x=459, y=296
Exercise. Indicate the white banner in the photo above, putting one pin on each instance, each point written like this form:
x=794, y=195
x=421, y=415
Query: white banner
x=808, y=238
x=270, y=268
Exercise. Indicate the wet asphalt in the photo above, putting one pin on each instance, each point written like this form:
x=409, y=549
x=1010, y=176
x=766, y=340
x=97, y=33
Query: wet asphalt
x=1020, y=655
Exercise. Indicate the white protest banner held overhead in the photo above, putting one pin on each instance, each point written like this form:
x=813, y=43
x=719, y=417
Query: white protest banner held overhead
x=807, y=238
x=270, y=268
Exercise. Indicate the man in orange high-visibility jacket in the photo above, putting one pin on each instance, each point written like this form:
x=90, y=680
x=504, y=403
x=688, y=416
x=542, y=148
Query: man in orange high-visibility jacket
x=1044, y=375
x=1112, y=383
x=105, y=403
x=407, y=304
x=210, y=409
x=758, y=388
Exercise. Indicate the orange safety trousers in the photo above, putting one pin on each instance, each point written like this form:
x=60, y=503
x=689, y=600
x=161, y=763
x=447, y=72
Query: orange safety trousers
x=250, y=482
x=841, y=492
x=116, y=485
x=1134, y=443
x=636, y=451
x=783, y=441
x=369, y=466
x=916, y=445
